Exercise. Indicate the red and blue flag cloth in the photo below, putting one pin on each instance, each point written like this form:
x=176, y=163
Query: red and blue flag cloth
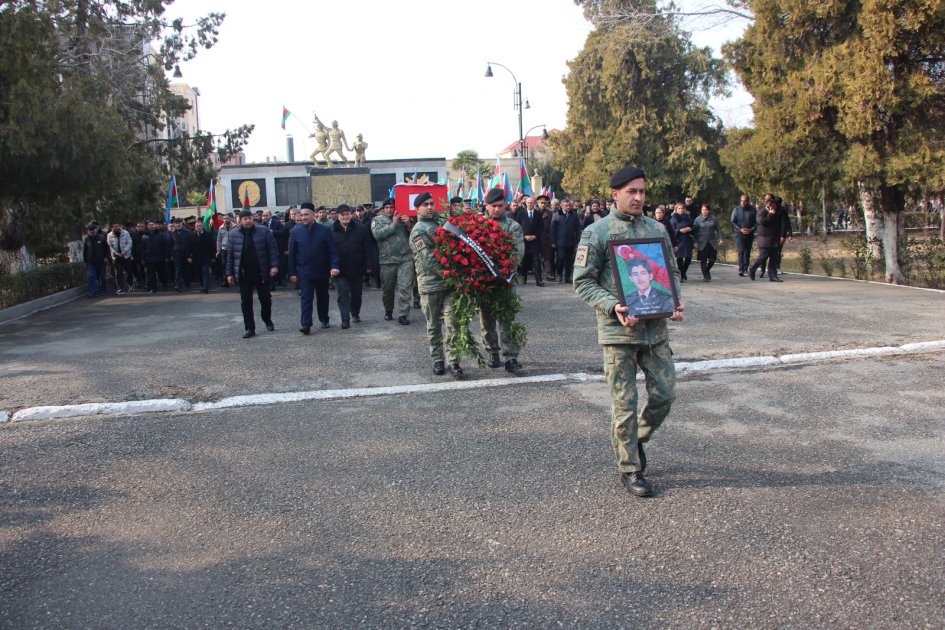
x=653, y=254
x=172, y=199
x=526, y=183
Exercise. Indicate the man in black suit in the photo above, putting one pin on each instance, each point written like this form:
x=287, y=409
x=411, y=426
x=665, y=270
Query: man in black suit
x=282, y=242
x=530, y=218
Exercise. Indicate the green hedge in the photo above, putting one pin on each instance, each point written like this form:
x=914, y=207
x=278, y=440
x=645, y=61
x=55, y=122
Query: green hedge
x=39, y=282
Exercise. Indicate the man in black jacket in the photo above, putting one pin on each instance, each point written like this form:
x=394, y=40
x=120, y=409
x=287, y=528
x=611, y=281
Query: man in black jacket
x=353, y=243
x=204, y=247
x=744, y=219
x=769, y=229
x=182, y=248
x=252, y=259
x=533, y=225
x=565, y=234
x=95, y=254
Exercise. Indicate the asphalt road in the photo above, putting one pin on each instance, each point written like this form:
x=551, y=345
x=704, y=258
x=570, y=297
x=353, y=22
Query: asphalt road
x=189, y=346
x=802, y=496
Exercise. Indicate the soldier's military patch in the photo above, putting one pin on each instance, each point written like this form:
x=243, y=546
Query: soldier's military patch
x=419, y=243
x=580, y=257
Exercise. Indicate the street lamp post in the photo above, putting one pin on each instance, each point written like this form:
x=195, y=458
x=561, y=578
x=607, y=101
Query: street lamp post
x=517, y=101
x=544, y=136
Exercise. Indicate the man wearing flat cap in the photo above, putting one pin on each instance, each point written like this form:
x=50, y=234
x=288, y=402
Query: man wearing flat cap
x=495, y=210
x=252, y=259
x=628, y=342
x=313, y=259
x=434, y=292
x=391, y=232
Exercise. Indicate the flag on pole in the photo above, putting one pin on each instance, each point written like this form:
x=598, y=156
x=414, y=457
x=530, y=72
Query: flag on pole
x=246, y=203
x=414, y=180
x=285, y=115
x=496, y=175
x=172, y=199
x=211, y=218
x=507, y=187
x=525, y=181
x=460, y=184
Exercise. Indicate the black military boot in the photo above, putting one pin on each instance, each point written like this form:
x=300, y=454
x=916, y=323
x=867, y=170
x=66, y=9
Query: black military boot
x=457, y=370
x=388, y=316
x=641, y=455
x=636, y=484
x=438, y=368
x=513, y=366
x=494, y=360
x=403, y=321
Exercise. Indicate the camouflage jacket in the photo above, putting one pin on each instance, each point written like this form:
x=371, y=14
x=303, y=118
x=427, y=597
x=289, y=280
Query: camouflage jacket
x=513, y=229
x=429, y=270
x=391, y=240
x=594, y=278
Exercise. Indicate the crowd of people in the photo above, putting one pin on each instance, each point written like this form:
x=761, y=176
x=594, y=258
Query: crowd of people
x=564, y=241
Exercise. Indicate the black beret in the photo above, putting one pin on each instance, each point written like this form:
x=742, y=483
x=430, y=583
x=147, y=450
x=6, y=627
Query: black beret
x=344, y=208
x=246, y=212
x=421, y=198
x=495, y=195
x=93, y=225
x=540, y=197
x=456, y=200
x=388, y=202
x=626, y=175
x=306, y=205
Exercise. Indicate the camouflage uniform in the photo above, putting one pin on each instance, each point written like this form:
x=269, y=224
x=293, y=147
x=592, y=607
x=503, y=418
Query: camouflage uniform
x=434, y=293
x=644, y=346
x=396, y=263
x=487, y=319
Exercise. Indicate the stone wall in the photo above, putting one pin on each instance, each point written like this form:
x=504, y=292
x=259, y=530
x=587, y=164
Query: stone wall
x=332, y=187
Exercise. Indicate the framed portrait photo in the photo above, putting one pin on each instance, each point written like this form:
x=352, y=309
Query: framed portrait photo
x=642, y=275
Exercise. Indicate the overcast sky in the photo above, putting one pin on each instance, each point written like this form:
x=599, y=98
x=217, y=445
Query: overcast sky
x=407, y=75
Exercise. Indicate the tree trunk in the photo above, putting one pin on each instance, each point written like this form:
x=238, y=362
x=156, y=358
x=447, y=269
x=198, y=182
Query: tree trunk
x=14, y=257
x=823, y=206
x=873, y=221
x=892, y=201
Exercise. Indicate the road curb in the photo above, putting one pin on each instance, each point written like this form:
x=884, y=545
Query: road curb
x=232, y=402
x=19, y=311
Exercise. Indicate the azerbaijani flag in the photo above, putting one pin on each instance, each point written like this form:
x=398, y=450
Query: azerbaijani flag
x=461, y=183
x=507, y=187
x=526, y=182
x=496, y=175
x=246, y=203
x=477, y=193
x=285, y=115
x=211, y=219
x=653, y=254
x=172, y=199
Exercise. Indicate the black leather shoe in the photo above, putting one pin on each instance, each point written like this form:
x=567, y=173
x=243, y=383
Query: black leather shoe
x=403, y=321
x=513, y=366
x=388, y=316
x=539, y=284
x=494, y=361
x=751, y=274
x=438, y=368
x=326, y=325
x=356, y=319
x=741, y=273
x=775, y=279
x=345, y=325
x=305, y=330
x=270, y=326
x=457, y=370
x=641, y=454
x=636, y=484
x=417, y=305
x=249, y=333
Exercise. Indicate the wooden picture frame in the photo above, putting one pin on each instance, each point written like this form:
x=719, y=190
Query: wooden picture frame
x=643, y=276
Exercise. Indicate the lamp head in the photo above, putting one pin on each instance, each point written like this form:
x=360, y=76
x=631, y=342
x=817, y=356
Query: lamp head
x=177, y=73
x=488, y=71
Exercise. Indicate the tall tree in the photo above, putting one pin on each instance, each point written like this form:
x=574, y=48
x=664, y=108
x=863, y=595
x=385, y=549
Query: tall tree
x=861, y=78
x=469, y=160
x=642, y=100
x=85, y=97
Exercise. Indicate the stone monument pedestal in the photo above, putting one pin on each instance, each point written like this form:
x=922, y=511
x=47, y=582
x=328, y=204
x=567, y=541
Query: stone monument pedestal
x=334, y=186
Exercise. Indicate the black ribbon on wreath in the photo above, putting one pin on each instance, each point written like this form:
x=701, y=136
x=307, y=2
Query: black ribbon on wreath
x=479, y=251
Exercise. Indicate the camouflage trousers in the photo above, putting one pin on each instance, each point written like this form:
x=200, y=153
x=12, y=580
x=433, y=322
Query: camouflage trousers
x=487, y=322
x=620, y=368
x=398, y=278
x=437, y=310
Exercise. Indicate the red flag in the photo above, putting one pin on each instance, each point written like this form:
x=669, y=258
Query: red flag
x=246, y=203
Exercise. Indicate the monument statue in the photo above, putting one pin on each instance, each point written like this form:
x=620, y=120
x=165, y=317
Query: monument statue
x=337, y=137
x=359, y=148
x=321, y=143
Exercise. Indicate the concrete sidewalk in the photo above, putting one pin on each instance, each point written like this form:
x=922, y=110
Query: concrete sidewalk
x=142, y=347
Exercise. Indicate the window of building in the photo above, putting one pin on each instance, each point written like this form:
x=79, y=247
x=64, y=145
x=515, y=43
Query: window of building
x=292, y=191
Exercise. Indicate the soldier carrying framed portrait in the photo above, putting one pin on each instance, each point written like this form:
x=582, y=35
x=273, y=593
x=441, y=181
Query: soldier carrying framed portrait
x=642, y=276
